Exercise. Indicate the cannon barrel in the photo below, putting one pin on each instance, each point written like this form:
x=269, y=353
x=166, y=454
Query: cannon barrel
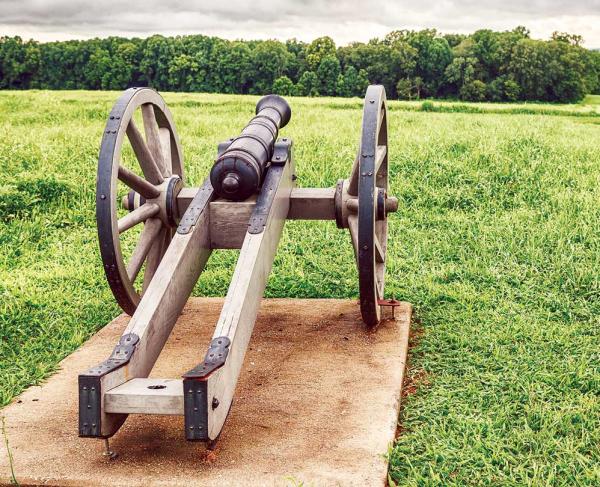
x=238, y=172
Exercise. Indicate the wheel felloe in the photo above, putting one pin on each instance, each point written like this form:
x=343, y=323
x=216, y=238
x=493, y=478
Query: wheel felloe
x=158, y=171
x=372, y=187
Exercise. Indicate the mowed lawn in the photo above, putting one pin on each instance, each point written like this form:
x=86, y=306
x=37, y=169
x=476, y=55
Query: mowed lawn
x=496, y=243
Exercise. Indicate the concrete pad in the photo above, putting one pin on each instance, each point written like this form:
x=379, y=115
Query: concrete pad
x=317, y=402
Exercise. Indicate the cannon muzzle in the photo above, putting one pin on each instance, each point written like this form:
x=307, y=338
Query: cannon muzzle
x=239, y=171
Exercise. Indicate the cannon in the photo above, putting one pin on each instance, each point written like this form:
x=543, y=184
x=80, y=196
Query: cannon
x=168, y=230
x=239, y=169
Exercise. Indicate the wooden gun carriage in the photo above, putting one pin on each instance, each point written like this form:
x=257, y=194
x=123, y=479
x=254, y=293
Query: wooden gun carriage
x=243, y=205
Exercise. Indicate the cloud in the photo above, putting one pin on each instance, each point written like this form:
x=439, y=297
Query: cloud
x=344, y=20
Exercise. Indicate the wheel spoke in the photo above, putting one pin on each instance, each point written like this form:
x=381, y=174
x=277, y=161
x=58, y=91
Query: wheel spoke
x=153, y=137
x=165, y=143
x=138, y=215
x=380, y=287
x=151, y=230
x=380, y=120
x=138, y=184
x=168, y=238
x=143, y=154
x=353, y=180
x=353, y=227
x=380, y=157
x=154, y=257
x=379, y=253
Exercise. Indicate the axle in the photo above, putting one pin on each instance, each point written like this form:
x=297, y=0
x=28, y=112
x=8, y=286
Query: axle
x=305, y=204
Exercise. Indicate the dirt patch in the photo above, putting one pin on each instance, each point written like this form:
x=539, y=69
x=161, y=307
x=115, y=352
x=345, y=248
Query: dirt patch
x=317, y=402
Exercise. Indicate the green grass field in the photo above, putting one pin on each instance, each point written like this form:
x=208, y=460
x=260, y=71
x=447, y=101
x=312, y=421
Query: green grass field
x=496, y=243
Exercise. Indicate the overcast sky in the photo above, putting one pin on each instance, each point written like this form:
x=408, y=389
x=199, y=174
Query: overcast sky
x=344, y=20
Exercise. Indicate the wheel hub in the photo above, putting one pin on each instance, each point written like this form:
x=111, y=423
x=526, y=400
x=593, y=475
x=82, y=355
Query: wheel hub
x=166, y=200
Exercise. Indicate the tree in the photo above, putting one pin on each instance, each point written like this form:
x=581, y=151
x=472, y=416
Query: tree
x=460, y=72
x=383, y=63
x=19, y=62
x=572, y=39
x=341, y=88
x=404, y=89
x=511, y=90
x=328, y=73
x=183, y=72
x=354, y=84
x=454, y=40
x=473, y=91
x=409, y=88
x=284, y=86
x=566, y=72
x=318, y=50
x=269, y=61
x=234, y=65
x=157, y=52
x=434, y=55
x=594, y=72
x=484, y=48
x=410, y=64
x=98, y=70
x=528, y=68
x=308, y=84
x=297, y=62
x=362, y=82
x=122, y=66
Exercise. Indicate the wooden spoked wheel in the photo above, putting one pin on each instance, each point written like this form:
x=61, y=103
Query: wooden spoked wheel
x=147, y=174
x=369, y=185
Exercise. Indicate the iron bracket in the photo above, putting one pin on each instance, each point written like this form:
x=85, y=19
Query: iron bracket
x=260, y=213
x=215, y=357
x=282, y=152
x=90, y=384
x=223, y=146
x=120, y=355
x=195, y=400
x=197, y=206
x=195, y=409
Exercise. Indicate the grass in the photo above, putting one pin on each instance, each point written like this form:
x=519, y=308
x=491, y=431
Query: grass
x=496, y=243
x=591, y=100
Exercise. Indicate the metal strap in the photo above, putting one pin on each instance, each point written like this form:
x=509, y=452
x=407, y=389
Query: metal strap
x=195, y=390
x=215, y=357
x=90, y=385
x=260, y=214
x=120, y=355
x=197, y=206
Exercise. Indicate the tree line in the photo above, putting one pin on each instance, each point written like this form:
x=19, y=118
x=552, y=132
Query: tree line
x=485, y=65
